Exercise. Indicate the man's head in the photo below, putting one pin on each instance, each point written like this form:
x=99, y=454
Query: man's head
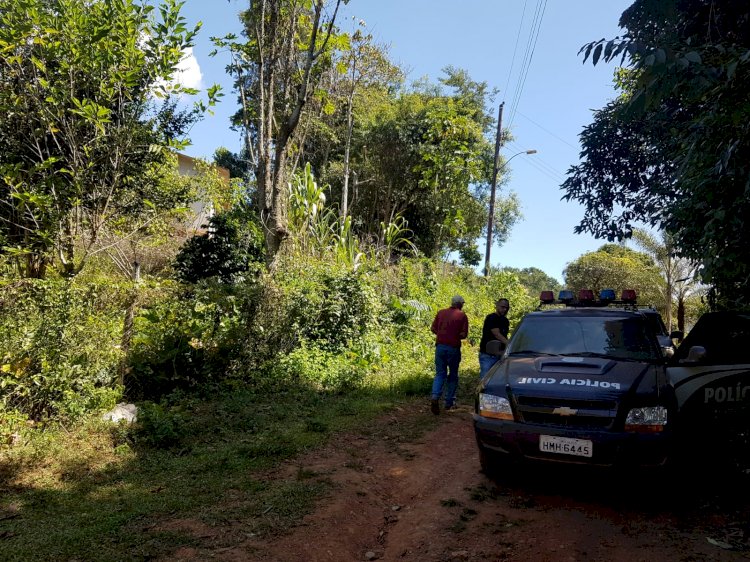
x=502, y=306
x=457, y=301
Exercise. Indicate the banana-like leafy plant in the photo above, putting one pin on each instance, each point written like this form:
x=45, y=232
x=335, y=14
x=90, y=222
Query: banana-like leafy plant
x=320, y=231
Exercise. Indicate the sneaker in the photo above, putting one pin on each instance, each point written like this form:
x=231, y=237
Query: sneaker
x=450, y=407
x=435, y=407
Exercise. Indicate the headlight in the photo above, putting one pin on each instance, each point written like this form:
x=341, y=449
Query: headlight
x=491, y=406
x=649, y=419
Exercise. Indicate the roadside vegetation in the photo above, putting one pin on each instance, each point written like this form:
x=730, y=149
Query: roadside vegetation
x=231, y=380
x=301, y=308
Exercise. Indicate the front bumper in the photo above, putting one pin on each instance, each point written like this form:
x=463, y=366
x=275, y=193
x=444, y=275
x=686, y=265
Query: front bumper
x=610, y=448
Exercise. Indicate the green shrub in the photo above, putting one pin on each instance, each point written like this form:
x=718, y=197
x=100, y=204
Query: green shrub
x=184, y=340
x=159, y=426
x=328, y=303
x=233, y=248
x=405, y=365
x=322, y=369
x=59, y=347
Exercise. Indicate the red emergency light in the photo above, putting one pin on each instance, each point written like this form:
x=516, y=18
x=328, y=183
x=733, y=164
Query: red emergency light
x=629, y=296
x=585, y=295
x=547, y=297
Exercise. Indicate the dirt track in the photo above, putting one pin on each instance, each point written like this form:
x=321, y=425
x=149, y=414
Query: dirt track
x=428, y=501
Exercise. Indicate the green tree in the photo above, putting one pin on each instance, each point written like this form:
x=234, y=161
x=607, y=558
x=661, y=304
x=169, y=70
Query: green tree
x=236, y=242
x=679, y=274
x=535, y=280
x=290, y=45
x=673, y=151
x=237, y=164
x=80, y=128
x=616, y=267
x=428, y=158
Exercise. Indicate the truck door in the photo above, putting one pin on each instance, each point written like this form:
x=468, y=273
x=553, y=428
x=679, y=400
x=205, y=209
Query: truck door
x=710, y=374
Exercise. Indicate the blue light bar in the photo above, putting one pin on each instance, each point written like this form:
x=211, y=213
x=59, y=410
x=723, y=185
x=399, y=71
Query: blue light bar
x=607, y=295
x=565, y=296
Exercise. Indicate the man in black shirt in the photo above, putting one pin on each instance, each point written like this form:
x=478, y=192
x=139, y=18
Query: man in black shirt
x=496, y=326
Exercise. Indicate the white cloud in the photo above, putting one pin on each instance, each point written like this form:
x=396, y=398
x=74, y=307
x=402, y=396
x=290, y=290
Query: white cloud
x=189, y=72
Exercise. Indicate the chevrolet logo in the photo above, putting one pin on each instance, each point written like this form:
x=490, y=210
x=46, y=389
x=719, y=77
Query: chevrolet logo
x=565, y=411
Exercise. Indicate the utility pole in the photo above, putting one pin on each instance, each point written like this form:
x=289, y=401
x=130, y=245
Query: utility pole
x=498, y=142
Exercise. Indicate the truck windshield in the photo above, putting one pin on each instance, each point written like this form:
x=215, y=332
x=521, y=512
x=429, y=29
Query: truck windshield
x=618, y=338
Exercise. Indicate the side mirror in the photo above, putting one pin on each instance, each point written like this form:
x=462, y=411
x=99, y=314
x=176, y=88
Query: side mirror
x=696, y=354
x=495, y=347
x=677, y=335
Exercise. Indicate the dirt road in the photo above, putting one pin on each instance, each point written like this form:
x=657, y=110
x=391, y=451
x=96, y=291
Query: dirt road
x=426, y=500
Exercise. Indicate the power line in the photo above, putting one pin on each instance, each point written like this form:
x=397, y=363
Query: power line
x=528, y=65
x=543, y=171
x=542, y=8
x=515, y=48
x=524, y=61
x=547, y=130
x=541, y=166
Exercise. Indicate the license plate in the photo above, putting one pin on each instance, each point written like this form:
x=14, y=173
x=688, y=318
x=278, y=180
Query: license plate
x=565, y=446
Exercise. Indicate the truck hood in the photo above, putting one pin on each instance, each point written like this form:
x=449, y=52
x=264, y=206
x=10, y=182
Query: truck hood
x=579, y=377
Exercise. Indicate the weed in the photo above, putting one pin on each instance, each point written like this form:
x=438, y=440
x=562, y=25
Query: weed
x=316, y=426
x=521, y=502
x=483, y=493
x=305, y=474
x=355, y=465
x=458, y=527
x=160, y=427
x=450, y=503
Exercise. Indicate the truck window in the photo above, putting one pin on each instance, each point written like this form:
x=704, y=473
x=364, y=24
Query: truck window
x=725, y=335
x=618, y=338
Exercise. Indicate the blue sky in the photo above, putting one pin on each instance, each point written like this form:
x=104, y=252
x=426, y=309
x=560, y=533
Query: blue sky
x=555, y=102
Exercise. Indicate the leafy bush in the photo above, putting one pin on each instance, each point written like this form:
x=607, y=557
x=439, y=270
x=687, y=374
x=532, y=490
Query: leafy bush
x=232, y=246
x=59, y=347
x=327, y=303
x=322, y=369
x=159, y=426
x=184, y=340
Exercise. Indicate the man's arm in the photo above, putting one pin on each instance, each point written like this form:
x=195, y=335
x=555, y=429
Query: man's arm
x=434, y=326
x=464, y=328
x=498, y=336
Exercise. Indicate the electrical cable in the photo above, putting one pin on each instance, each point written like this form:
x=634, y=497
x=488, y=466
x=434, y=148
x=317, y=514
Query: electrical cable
x=540, y=164
x=562, y=140
x=515, y=48
x=528, y=65
x=524, y=61
x=522, y=83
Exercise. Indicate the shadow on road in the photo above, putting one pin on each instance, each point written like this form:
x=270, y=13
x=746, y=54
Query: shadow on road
x=676, y=488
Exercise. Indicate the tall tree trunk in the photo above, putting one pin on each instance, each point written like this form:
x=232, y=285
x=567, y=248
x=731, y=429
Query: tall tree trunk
x=681, y=313
x=273, y=26
x=347, y=150
x=128, y=323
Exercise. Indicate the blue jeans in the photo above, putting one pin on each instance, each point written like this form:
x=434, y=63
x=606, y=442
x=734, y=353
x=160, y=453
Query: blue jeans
x=447, y=359
x=486, y=361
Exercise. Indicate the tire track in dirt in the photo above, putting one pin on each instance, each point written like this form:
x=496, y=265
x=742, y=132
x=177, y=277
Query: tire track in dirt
x=427, y=501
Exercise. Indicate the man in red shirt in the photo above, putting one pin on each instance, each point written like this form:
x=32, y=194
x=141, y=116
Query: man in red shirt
x=450, y=326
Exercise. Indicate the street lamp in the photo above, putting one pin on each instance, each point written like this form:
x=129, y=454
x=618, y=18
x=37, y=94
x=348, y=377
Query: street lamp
x=491, y=217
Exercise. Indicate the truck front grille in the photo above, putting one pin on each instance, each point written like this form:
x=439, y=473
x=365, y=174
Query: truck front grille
x=573, y=413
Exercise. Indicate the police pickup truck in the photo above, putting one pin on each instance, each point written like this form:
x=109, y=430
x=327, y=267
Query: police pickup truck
x=583, y=381
x=588, y=381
